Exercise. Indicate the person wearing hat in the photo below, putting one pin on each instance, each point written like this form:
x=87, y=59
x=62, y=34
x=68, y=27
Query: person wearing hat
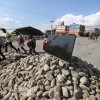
x=8, y=40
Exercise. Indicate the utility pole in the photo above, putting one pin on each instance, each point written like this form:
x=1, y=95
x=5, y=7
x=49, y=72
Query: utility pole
x=51, y=26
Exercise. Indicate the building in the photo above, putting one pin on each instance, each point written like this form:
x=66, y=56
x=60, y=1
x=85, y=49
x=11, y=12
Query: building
x=90, y=31
x=76, y=29
x=62, y=29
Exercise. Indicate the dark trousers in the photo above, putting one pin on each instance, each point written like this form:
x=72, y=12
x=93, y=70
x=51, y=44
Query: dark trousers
x=9, y=43
x=1, y=52
x=22, y=49
x=32, y=49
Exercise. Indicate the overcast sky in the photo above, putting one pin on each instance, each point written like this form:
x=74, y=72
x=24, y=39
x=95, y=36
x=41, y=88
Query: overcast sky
x=39, y=13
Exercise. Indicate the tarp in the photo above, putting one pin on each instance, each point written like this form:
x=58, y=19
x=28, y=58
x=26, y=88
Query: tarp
x=29, y=30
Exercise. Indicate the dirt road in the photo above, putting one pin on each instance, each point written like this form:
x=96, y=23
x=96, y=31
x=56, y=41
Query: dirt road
x=88, y=50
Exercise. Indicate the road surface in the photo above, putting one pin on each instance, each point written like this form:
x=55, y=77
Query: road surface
x=88, y=50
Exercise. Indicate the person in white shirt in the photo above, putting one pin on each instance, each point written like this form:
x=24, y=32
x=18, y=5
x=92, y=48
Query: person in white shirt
x=2, y=45
x=8, y=40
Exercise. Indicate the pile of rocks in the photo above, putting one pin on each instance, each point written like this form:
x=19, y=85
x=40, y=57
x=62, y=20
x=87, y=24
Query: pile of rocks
x=44, y=77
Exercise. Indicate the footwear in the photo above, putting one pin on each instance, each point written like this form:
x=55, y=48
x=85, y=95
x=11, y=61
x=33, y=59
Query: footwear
x=25, y=51
x=0, y=59
x=4, y=58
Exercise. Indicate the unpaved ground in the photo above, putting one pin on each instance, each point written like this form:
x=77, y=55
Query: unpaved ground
x=88, y=50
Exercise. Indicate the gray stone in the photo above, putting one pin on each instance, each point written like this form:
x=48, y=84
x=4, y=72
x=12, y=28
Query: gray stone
x=68, y=82
x=57, y=89
x=36, y=88
x=47, y=83
x=11, y=83
x=60, y=78
x=45, y=94
x=7, y=96
x=4, y=92
x=51, y=93
x=84, y=87
x=53, y=67
x=29, y=67
x=75, y=74
x=65, y=72
x=98, y=96
x=53, y=83
x=98, y=90
x=46, y=67
x=61, y=63
x=39, y=93
x=65, y=92
x=78, y=94
x=49, y=77
x=92, y=97
x=85, y=94
x=57, y=96
x=84, y=80
x=56, y=72
x=92, y=92
x=16, y=96
x=83, y=74
x=90, y=71
x=47, y=88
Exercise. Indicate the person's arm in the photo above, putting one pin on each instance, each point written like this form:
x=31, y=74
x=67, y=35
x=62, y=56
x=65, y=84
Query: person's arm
x=1, y=41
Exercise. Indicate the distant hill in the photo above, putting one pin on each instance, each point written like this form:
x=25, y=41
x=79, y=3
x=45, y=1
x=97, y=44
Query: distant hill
x=29, y=30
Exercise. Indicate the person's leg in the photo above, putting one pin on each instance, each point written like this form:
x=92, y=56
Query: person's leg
x=30, y=50
x=23, y=49
x=10, y=43
x=2, y=53
x=34, y=50
x=18, y=50
x=6, y=45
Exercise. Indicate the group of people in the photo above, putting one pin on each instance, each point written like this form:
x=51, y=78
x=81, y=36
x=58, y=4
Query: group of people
x=92, y=37
x=31, y=43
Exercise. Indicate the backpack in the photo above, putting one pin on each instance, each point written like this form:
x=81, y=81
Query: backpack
x=20, y=39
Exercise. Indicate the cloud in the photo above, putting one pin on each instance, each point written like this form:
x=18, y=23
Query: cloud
x=43, y=27
x=9, y=23
x=90, y=20
x=9, y=20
